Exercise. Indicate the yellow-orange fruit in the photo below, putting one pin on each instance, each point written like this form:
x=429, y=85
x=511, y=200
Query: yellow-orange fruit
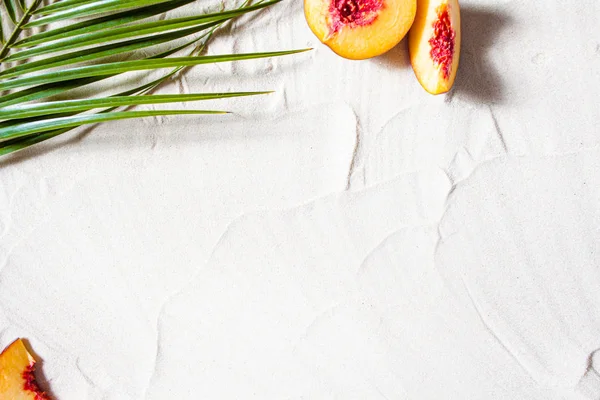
x=434, y=44
x=17, y=380
x=359, y=29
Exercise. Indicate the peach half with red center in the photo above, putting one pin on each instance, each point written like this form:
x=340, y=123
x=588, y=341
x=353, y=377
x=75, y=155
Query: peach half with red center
x=359, y=29
x=17, y=379
x=434, y=44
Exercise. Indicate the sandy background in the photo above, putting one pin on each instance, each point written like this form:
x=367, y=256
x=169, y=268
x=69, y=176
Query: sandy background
x=347, y=237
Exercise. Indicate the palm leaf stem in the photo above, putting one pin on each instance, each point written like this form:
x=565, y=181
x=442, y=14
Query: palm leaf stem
x=18, y=29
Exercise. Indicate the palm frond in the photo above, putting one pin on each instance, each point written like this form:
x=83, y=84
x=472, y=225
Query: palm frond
x=12, y=10
x=12, y=145
x=89, y=9
x=104, y=34
x=98, y=24
x=149, y=29
x=28, y=128
x=48, y=90
x=120, y=67
x=60, y=5
x=69, y=106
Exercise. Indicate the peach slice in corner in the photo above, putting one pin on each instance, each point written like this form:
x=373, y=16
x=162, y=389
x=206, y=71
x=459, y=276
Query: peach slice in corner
x=434, y=44
x=17, y=380
x=359, y=29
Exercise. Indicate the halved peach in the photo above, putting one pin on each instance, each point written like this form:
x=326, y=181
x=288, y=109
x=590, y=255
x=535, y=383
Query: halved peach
x=359, y=29
x=17, y=380
x=434, y=44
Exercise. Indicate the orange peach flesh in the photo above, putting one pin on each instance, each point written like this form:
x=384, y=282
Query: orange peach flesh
x=17, y=381
x=434, y=44
x=360, y=29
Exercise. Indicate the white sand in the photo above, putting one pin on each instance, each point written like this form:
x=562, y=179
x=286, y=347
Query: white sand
x=347, y=237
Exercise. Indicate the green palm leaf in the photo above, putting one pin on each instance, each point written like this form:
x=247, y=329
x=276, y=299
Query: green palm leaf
x=129, y=66
x=12, y=145
x=128, y=32
x=91, y=8
x=47, y=90
x=60, y=5
x=100, y=52
x=120, y=31
x=28, y=128
x=98, y=24
x=11, y=8
x=69, y=106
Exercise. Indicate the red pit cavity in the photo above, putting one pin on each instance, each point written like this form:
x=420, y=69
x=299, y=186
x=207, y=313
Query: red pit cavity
x=353, y=12
x=31, y=384
x=442, y=41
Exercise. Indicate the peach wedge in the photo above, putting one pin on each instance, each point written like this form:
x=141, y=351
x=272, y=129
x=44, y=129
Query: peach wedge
x=359, y=29
x=434, y=44
x=17, y=380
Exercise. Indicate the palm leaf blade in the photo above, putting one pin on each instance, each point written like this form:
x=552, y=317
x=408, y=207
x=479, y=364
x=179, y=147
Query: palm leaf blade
x=59, y=5
x=101, y=23
x=92, y=8
x=102, y=51
x=69, y=106
x=10, y=146
x=128, y=32
x=29, y=128
x=20, y=143
x=42, y=91
x=11, y=9
x=1, y=31
x=136, y=65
